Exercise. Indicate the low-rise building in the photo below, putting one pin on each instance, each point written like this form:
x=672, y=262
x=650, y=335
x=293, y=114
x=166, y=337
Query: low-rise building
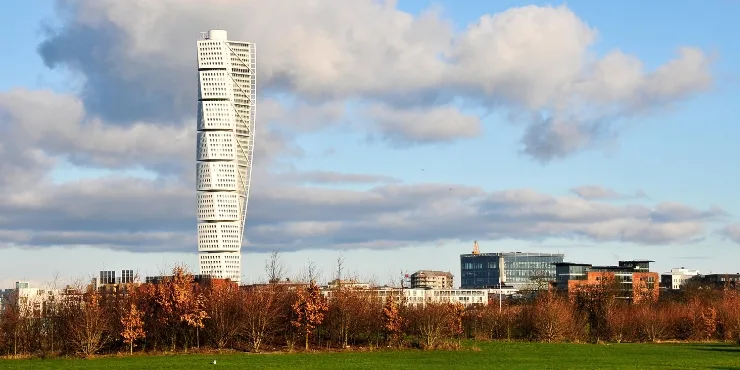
x=676, y=278
x=430, y=279
x=719, y=281
x=631, y=280
x=336, y=283
x=421, y=297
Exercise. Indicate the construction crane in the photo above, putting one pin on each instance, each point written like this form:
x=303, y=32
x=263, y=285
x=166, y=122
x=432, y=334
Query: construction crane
x=476, y=250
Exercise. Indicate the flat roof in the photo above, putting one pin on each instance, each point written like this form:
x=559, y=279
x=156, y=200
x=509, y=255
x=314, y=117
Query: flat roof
x=636, y=261
x=498, y=254
x=612, y=268
x=571, y=264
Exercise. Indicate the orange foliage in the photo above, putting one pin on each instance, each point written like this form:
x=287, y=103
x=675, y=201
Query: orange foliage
x=309, y=310
x=133, y=326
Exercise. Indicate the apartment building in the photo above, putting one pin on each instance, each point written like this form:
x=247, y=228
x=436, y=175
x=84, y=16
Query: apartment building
x=430, y=279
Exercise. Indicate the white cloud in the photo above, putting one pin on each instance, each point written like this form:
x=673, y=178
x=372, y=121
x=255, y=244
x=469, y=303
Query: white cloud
x=531, y=58
x=424, y=125
x=363, y=62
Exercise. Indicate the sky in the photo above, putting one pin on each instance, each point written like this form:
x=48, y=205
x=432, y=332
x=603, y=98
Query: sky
x=390, y=134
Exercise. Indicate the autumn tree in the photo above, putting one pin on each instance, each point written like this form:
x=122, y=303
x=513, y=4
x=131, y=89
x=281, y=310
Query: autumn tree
x=708, y=320
x=309, y=310
x=550, y=318
x=652, y=324
x=261, y=307
x=596, y=303
x=457, y=313
x=181, y=306
x=87, y=324
x=133, y=325
x=430, y=322
x=392, y=320
x=225, y=312
x=10, y=323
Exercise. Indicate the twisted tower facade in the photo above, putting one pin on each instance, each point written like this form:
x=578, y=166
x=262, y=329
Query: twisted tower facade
x=226, y=118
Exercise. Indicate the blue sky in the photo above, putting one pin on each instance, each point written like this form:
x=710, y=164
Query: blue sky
x=681, y=152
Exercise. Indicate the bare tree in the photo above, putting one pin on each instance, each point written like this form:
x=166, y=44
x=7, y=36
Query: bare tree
x=275, y=267
x=310, y=273
x=340, y=269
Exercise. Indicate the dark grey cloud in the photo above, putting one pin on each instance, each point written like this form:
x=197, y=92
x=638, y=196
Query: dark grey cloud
x=153, y=216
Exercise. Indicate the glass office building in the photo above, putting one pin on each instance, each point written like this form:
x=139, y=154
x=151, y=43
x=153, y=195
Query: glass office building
x=516, y=269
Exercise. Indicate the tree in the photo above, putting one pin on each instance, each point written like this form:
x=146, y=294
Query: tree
x=275, y=267
x=309, y=310
x=392, y=320
x=133, y=325
x=457, y=313
x=708, y=319
x=550, y=318
x=86, y=322
x=10, y=323
x=431, y=322
x=225, y=312
x=261, y=312
x=180, y=305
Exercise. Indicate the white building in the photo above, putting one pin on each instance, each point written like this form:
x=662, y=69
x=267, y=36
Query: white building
x=32, y=301
x=420, y=297
x=226, y=120
x=677, y=277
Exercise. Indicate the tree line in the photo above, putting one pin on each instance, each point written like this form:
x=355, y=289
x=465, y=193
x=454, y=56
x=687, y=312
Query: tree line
x=178, y=314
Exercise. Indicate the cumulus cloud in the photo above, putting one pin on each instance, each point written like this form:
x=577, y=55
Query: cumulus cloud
x=592, y=192
x=427, y=125
x=529, y=58
x=402, y=77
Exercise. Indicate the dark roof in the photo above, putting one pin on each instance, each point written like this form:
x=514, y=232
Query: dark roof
x=571, y=264
x=615, y=268
x=638, y=261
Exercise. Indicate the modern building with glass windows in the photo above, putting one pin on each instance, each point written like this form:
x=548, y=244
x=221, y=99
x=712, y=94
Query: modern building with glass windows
x=631, y=280
x=515, y=269
x=226, y=120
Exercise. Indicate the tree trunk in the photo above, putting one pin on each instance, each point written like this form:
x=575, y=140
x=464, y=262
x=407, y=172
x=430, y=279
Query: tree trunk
x=131, y=348
x=306, y=341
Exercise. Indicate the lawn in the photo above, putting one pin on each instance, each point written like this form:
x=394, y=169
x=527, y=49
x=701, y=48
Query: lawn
x=491, y=355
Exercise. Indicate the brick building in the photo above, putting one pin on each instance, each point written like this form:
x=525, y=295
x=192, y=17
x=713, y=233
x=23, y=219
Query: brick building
x=631, y=280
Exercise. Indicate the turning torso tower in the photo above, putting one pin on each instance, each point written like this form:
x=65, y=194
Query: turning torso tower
x=226, y=112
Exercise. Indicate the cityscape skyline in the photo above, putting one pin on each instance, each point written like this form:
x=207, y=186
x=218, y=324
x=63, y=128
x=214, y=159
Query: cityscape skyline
x=396, y=138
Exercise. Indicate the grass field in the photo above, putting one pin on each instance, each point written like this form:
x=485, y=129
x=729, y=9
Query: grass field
x=491, y=355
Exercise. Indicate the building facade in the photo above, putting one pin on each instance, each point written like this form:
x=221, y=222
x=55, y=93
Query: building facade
x=107, y=277
x=429, y=279
x=516, y=269
x=422, y=297
x=676, y=278
x=717, y=281
x=226, y=120
x=630, y=280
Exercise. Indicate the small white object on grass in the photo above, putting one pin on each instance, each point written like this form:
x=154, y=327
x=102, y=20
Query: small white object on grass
x=214, y=362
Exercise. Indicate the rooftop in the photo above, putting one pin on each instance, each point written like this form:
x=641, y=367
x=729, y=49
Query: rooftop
x=515, y=254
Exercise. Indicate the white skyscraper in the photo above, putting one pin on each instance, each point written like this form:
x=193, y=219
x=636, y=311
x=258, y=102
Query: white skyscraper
x=226, y=112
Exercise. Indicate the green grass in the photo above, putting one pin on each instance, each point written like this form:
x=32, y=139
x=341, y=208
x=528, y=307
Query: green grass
x=491, y=355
